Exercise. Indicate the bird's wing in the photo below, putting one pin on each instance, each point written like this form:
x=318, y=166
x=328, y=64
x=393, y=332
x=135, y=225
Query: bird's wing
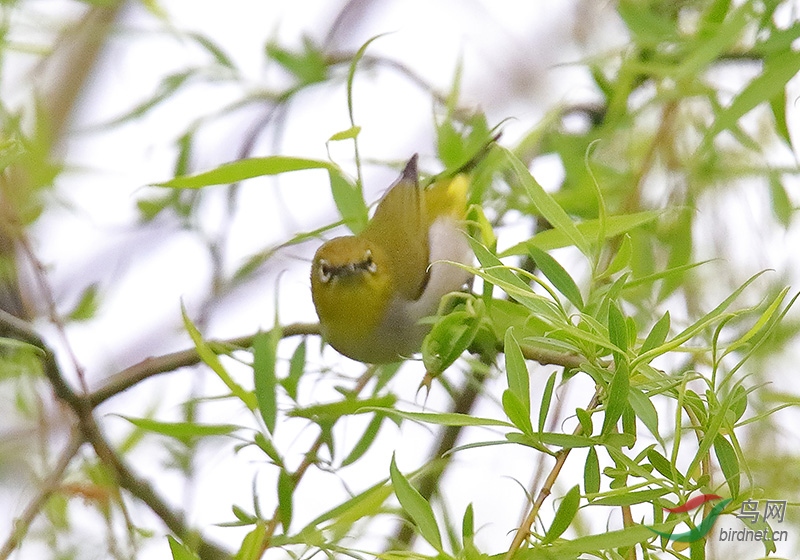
x=400, y=227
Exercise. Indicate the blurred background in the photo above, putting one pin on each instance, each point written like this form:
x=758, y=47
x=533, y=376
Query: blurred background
x=100, y=100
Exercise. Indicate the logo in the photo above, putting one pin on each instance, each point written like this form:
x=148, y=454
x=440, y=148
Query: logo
x=696, y=533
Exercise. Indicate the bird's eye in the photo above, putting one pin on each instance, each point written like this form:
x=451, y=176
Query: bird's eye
x=324, y=271
x=371, y=266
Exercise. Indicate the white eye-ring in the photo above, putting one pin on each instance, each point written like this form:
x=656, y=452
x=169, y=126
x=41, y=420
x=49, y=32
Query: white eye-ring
x=371, y=266
x=324, y=271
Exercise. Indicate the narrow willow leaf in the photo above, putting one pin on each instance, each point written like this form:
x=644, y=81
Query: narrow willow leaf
x=609, y=540
x=621, y=260
x=180, y=551
x=210, y=358
x=591, y=473
x=663, y=466
x=585, y=420
x=515, y=410
x=657, y=335
x=348, y=134
x=468, y=525
x=286, y=485
x=297, y=366
x=629, y=424
x=252, y=544
x=267, y=447
x=517, y=372
x=778, y=70
x=417, y=507
x=550, y=239
x=265, y=354
x=365, y=441
x=645, y=410
x=631, y=498
x=444, y=418
x=547, y=396
x=782, y=207
x=616, y=398
x=695, y=328
x=329, y=412
x=617, y=330
x=245, y=169
x=87, y=305
x=182, y=430
x=546, y=205
x=349, y=200
x=728, y=462
x=564, y=515
x=560, y=278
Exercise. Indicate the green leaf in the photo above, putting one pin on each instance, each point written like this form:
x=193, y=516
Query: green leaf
x=286, y=485
x=265, y=354
x=778, y=70
x=560, y=278
x=617, y=398
x=658, y=334
x=182, y=430
x=644, y=409
x=180, y=551
x=448, y=339
x=550, y=239
x=365, y=441
x=349, y=201
x=728, y=462
x=351, y=74
x=629, y=498
x=87, y=305
x=782, y=207
x=297, y=365
x=662, y=465
x=210, y=358
x=327, y=412
x=515, y=410
x=468, y=525
x=517, y=373
x=621, y=260
x=618, y=332
x=608, y=540
x=545, y=204
x=308, y=66
x=417, y=507
x=547, y=396
x=252, y=544
x=246, y=169
x=445, y=418
x=348, y=134
x=591, y=473
x=564, y=515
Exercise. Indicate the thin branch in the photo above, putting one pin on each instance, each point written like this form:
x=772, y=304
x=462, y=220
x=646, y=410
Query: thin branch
x=83, y=409
x=561, y=457
x=48, y=486
x=149, y=367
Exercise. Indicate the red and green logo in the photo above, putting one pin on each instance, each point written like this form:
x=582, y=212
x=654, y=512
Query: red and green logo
x=705, y=525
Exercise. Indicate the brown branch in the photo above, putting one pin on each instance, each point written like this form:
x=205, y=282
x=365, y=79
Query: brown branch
x=149, y=367
x=48, y=486
x=83, y=409
x=561, y=457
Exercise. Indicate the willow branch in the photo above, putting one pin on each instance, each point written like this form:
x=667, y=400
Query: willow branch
x=149, y=367
x=48, y=486
x=83, y=409
x=561, y=457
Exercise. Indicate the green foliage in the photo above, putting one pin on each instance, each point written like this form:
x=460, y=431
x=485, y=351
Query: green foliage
x=631, y=367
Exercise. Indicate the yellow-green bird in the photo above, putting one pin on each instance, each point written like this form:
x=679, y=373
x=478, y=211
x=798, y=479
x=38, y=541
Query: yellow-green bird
x=371, y=290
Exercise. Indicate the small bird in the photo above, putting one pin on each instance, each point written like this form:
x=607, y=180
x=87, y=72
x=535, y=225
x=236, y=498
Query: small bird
x=371, y=289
